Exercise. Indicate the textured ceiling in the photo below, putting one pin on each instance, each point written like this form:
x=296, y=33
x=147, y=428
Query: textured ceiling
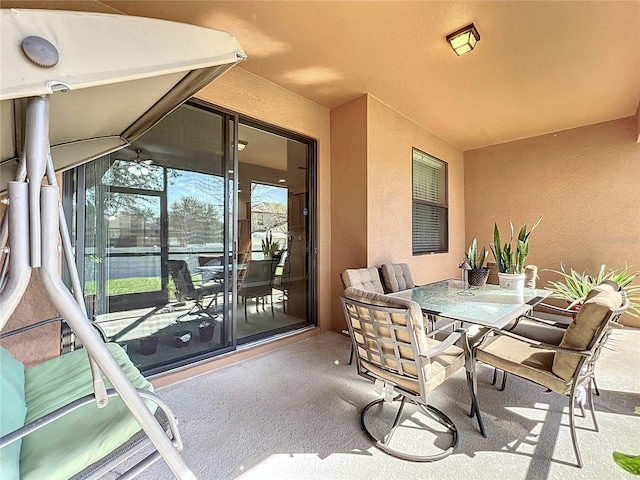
x=539, y=67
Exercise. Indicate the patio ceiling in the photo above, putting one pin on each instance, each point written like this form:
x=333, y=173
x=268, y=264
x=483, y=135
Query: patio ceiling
x=540, y=67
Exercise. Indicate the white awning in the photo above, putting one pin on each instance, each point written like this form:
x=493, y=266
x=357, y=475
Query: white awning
x=120, y=76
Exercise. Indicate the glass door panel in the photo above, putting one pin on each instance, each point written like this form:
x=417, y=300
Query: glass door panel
x=195, y=242
x=272, y=234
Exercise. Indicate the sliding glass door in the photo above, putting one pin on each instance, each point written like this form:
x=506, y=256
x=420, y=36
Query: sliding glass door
x=190, y=246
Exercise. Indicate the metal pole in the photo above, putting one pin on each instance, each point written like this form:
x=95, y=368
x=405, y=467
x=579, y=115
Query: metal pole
x=73, y=315
x=66, y=243
x=19, y=271
x=36, y=149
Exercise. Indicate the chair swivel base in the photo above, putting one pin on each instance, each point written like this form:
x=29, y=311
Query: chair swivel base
x=384, y=443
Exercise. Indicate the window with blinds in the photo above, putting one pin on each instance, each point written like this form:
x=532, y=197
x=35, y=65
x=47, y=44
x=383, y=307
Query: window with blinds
x=430, y=209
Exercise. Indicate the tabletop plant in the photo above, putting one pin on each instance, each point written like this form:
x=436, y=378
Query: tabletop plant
x=269, y=246
x=508, y=258
x=574, y=286
x=478, y=274
x=476, y=259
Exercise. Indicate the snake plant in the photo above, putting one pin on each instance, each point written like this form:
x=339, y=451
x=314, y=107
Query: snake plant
x=508, y=259
x=476, y=259
x=574, y=286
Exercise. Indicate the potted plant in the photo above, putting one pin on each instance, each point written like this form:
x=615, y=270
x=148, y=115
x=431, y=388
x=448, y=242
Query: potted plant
x=269, y=246
x=574, y=287
x=205, y=330
x=478, y=274
x=510, y=261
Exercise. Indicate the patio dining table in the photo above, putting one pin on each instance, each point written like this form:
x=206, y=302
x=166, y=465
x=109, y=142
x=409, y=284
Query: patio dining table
x=489, y=305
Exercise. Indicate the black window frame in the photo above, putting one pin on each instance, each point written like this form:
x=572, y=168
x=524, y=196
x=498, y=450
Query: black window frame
x=443, y=247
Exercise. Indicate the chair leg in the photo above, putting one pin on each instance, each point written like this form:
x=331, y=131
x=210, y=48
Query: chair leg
x=595, y=385
x=592, y=407
x=504, y=381
x=272, y=312
x=384, y=443
x=475, y=408
x=572, y=424
x=495, y=376
x=351, y=355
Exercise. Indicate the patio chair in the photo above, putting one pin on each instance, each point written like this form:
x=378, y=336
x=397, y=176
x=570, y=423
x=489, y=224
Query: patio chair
x=396, y=277
x=186, y=290
x=550, y=331
x=393, y=350
x=363, y=279
x=566, y=368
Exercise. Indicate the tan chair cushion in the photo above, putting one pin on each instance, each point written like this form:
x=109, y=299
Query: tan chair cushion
x=396, y=277
x=363, y=279
x=441, y=367
x=435, y=370
x=579, y=335
x=521, y=359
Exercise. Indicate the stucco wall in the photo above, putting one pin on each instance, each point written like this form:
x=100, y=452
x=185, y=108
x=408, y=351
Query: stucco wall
x=391, y=137
x=248, y=94
x=584, y=182
x=372, y=180
x=348, y=195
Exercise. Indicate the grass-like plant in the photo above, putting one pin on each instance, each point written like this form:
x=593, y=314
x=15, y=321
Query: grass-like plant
x=574, y=286
x=508, y=259
x=476, y=259
x=270, y=247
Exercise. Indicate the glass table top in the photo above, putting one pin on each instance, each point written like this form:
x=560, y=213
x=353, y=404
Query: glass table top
x=489, y=305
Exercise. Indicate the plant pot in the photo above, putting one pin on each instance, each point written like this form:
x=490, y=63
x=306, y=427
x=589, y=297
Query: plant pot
x=182, y=339
x=478, y=276
x=206, y=332
x=512, y=281
x=148, y=345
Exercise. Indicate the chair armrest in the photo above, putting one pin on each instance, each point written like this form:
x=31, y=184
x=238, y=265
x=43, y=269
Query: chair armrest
x=563, y=311
x=544, y=346
x=547, y=323
x=446, y=343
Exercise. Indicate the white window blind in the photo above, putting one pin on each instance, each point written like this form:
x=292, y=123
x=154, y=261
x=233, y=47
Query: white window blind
x=430, y=211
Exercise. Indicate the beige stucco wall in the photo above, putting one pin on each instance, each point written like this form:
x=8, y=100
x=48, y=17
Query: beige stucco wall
x=372, y=180
x=348, y=195
x=584, y=182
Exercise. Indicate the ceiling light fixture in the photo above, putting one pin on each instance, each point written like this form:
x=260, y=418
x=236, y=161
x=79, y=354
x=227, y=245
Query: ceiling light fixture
x=242, y=145
x=138, y=167
x=464, y=40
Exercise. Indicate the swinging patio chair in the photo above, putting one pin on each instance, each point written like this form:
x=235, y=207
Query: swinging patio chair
x=72, y=96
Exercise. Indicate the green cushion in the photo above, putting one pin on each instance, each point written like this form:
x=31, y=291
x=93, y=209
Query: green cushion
x=13, y=410
x=70, y=444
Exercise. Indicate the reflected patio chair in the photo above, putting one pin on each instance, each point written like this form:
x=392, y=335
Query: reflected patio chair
x=393, y=350
x=566, y=368
x=282, y=268
x=256, y=284
x=186, y=290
